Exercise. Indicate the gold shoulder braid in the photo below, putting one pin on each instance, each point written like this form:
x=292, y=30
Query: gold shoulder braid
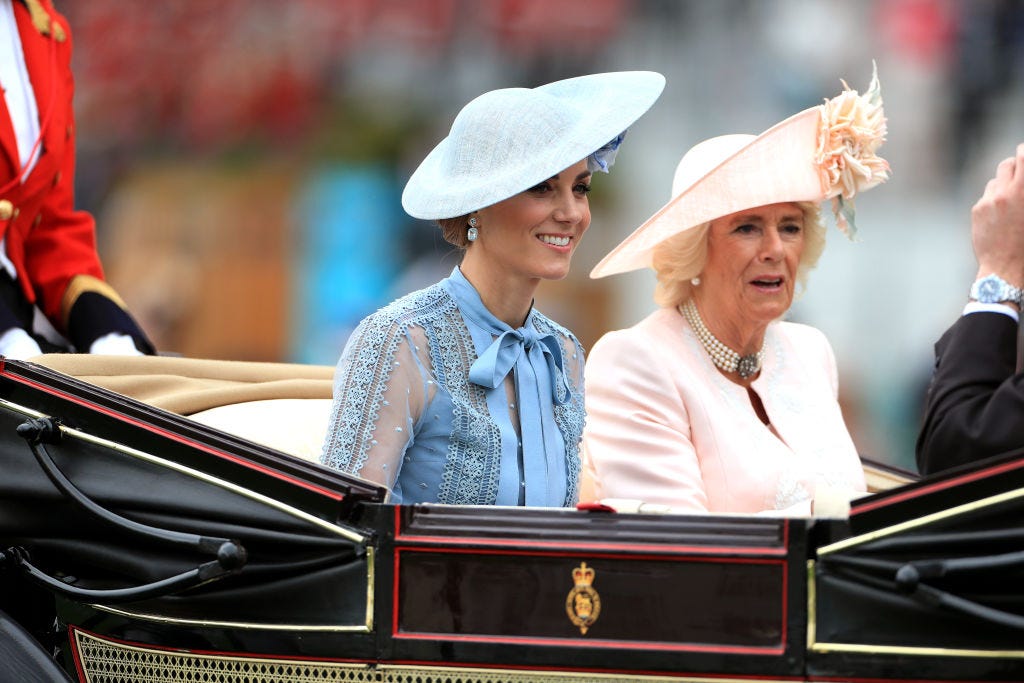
x=721, y=355
x=79, y=285
x=43, y=22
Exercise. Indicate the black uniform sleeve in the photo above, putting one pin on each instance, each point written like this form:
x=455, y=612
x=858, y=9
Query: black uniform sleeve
x=93, y=315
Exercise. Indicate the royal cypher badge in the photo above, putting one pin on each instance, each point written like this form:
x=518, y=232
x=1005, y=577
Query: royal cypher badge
x=583, y=604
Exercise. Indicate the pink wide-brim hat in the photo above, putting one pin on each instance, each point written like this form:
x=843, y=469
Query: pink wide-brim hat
x=825, y=152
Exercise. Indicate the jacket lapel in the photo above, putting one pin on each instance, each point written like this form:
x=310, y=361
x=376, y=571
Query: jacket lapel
x=8, y=142
x=39, y=60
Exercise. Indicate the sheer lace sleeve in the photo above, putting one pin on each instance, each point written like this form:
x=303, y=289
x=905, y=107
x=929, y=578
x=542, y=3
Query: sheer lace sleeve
x=573, y=418
x=570, y=415
x=380, y=388
x=572, y=354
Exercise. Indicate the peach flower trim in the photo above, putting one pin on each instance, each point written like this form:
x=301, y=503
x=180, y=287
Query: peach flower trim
x=852, y=129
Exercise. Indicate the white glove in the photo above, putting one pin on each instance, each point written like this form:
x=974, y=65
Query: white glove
x=115, y=344
x=16, y=343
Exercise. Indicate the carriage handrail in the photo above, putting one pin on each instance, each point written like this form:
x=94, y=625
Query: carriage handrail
x=204, y=573
x=230, y=554
x=910, y=579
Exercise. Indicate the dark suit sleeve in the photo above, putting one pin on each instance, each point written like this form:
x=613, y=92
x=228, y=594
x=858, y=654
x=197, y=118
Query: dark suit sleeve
x=975, y=403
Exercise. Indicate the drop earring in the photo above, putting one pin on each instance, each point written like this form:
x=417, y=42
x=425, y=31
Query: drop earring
x=472, y=233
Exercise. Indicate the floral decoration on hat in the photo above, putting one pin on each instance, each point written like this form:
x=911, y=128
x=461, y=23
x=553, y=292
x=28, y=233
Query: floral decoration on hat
x=602, y=159
x=828, y=151
x=853, y=127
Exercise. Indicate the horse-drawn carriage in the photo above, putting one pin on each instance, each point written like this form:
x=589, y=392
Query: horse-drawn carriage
x=141, y=544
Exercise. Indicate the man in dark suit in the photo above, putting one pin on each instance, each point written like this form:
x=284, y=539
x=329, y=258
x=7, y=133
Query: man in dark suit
x=975, y=404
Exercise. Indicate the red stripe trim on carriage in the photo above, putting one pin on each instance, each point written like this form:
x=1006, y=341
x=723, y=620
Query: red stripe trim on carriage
x=605, y=644
x=937, y=486
x=176, y=437
x=861, y=679
x=425, y=542
x=73, y=644
x=683, y=676
x=781, y=551
x=604, y=556
x=774, y=649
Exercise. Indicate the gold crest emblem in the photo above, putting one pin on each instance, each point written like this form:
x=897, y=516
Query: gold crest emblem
x=583, y=604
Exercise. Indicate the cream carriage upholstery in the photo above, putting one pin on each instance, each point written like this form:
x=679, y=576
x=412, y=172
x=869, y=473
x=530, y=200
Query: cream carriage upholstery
x=281, y=405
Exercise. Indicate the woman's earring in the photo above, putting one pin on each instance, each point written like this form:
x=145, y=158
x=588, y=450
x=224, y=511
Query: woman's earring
x=472, y=233
x=695, y=281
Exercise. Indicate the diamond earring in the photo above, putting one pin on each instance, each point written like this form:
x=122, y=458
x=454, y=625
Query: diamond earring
x=472, y=233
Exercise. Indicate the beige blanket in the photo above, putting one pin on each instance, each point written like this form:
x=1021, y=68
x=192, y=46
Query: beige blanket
x=189, y=385
x=281, y=405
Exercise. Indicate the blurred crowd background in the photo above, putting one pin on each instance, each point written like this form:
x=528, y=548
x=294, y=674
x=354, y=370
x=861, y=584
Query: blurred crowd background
x=245, y=158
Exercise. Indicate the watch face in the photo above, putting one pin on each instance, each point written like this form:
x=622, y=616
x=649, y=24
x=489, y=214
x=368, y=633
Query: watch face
x=990, y=290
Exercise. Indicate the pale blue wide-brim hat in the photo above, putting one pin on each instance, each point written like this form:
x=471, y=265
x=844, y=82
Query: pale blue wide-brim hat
x=506, y=141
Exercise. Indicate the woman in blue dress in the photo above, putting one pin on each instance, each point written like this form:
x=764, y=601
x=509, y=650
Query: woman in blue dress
x=463, y=393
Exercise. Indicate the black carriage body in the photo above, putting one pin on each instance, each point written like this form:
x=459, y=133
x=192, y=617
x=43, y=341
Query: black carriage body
x=926, y=578
x=336, y=585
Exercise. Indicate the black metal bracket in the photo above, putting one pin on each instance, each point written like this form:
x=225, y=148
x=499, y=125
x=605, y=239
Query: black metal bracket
x=229, y=553
x=911, y=579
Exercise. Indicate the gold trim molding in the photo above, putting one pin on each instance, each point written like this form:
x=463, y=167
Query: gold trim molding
x=107, y=661
x=972, y=506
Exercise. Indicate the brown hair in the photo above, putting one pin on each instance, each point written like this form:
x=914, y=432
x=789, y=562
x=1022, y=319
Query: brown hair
x=454, y=230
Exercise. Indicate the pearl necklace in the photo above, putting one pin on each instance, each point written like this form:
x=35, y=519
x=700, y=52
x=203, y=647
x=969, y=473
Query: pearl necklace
x=721, y=355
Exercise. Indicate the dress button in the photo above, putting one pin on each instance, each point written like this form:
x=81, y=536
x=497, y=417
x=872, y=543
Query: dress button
x=6, y=209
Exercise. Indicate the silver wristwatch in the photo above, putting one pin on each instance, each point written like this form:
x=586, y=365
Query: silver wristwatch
x=993, y=289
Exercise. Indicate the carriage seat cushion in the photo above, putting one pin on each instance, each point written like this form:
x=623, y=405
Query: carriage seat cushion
x=296, y=426
x=282, y=405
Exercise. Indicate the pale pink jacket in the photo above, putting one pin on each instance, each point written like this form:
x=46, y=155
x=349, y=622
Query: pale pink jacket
x=664, y=426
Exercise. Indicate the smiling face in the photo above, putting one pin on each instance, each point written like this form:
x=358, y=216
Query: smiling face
x=533, y=234
x=750, y=273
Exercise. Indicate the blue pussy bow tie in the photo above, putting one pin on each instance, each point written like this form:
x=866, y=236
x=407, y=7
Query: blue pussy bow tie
x=494, y=364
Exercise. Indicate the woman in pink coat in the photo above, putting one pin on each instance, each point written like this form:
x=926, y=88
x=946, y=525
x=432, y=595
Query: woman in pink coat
x=712, y=403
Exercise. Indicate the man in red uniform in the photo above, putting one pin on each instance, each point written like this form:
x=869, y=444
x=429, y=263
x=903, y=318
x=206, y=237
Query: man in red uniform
x=52, y=289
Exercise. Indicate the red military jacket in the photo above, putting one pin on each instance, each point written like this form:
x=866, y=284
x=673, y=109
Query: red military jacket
x=52, y=245
x=48, y=241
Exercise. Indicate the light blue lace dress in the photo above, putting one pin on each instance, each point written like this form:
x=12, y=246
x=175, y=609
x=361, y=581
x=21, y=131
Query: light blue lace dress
x=440, y=401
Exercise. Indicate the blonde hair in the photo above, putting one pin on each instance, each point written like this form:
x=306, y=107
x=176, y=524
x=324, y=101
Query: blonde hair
x=682, y=257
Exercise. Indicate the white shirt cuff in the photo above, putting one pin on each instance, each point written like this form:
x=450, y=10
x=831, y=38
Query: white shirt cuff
x=978, y=307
